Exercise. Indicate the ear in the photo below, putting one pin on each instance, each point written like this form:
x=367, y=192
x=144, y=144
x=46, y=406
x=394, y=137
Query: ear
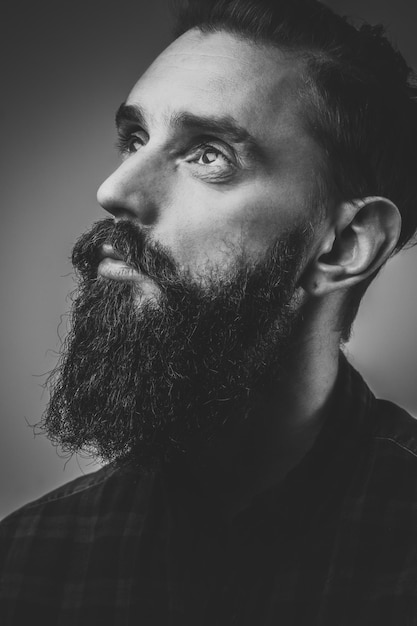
x=358, y=240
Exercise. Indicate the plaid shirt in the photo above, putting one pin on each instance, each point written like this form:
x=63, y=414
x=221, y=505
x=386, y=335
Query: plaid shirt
x=333, y=545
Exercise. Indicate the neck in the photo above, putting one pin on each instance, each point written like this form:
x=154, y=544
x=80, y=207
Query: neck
x=283, y=426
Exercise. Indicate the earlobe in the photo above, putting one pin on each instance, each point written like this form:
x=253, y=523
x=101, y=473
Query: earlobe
x=359, y=240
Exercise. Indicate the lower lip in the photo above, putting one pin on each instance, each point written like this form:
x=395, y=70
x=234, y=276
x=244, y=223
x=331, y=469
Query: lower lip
x=117, y=270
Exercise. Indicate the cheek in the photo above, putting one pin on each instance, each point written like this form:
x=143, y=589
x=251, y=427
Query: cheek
x=276, y=211
x=204, y=249
x=211, y=231
x=202, y=232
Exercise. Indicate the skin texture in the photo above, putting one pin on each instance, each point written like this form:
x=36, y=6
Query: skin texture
x=206, y=197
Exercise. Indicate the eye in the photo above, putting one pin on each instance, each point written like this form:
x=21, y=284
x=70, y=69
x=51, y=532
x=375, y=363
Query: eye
x=211, y=156
x=211, y=161
x=129, y=143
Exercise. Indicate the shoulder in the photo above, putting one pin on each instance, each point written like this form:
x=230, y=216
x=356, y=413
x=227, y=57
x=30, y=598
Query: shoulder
x=395, y=429
x=99, y=494
x=384, y=476
x=375, y=440
x=50, y=546
x=70, y=491
x=366, y=420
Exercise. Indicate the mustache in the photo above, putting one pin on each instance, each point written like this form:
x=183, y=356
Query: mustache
x=130, y=242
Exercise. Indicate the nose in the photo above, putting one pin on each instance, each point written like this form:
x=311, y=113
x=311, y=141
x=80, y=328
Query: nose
x=134, y=190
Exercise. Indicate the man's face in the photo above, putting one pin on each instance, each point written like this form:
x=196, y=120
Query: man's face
x=213, y=208
x=215, y=154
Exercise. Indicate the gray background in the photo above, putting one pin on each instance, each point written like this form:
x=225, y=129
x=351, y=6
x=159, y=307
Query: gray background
x=68, y=65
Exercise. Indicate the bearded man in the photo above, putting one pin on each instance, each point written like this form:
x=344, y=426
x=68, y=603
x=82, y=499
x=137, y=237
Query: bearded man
x=268, y=170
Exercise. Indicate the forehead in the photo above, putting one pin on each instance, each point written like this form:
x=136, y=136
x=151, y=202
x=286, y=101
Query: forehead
x=220, y=74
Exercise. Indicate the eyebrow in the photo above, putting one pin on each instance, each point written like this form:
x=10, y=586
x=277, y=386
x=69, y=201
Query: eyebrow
x=225, y=125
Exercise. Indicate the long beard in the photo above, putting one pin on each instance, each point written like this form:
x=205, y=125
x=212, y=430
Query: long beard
x=143, y=382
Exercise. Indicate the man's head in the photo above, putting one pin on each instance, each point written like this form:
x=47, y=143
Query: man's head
x=347, y=94
x=234, y=222
x=358, y=102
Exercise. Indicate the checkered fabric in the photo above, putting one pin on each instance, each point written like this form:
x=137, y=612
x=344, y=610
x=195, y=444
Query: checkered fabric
x=333, y=545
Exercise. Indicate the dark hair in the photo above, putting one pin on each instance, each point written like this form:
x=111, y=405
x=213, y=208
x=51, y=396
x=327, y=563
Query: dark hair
x=360, y=97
